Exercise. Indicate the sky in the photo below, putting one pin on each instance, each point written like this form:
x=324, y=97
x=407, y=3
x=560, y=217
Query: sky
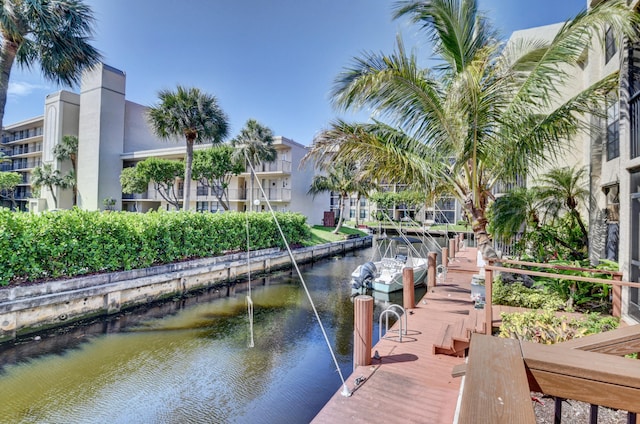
x=271, y=60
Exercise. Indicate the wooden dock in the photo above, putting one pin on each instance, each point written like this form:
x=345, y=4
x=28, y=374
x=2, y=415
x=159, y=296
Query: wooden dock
x=411, y=382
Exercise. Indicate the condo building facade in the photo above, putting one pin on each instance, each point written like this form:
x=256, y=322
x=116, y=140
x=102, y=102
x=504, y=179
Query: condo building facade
x=113, y=133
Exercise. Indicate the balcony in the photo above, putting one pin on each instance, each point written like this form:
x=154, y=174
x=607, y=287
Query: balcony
x=277, y=167
x=274, y=194
x=134, y=196
x=25, y=164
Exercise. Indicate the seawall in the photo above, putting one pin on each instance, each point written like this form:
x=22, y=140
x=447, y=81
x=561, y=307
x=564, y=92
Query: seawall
x=32, y=308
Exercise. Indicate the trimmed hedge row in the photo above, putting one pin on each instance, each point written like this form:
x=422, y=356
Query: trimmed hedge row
x=75, y=242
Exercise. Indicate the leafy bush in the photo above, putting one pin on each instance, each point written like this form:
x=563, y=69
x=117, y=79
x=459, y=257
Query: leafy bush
x=68, y=243
x=545, y=327
x=521, y=296
x=582, y=296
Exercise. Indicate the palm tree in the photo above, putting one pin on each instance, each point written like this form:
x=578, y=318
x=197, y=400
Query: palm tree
x=341, y=179
x=484, y=114
x=46, y=176
x=253, y=145
x=565, y=189
x=192, y=114
x=530, y=210
x=52, y=33
x=67, y=149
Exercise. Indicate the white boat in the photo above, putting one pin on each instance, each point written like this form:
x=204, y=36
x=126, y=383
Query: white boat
x=384, y=272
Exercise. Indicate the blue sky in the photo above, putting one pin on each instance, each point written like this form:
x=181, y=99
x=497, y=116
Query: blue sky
x=271, y=60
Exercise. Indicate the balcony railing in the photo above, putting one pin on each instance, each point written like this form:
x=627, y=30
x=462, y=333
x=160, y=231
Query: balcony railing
x=274, y=194
x=277, y=166
x=134, y=196
x=26, y=164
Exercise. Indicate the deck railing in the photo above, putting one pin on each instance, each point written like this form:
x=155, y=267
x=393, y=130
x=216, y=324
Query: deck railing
x=590, y=369
x=501, y=374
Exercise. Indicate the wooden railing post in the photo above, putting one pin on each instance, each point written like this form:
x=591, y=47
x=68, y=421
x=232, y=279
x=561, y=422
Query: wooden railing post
x=408, y=288
x=452, y=247
x=431, y=269
x=363, y=330
x=445, y=257
x=488, y=298
x=616, y=297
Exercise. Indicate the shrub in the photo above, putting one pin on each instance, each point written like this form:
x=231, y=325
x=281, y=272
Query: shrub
x=521, y=296
x=545, y=327
x=75, y=242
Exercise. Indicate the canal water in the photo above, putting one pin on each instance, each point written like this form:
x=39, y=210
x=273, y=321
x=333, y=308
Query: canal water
x=187, y=360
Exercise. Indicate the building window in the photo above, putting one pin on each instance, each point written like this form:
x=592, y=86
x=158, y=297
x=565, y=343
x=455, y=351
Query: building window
x=613, y=130
x=202, y=190
x=610, y=47
x=202, y=206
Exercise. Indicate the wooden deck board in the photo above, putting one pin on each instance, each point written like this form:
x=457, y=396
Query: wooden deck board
x=409, y=383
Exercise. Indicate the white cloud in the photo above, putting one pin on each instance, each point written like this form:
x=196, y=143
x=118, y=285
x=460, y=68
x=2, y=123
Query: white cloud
x=21, y=88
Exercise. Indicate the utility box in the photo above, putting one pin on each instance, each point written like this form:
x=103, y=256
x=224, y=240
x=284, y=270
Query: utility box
x=329, y=219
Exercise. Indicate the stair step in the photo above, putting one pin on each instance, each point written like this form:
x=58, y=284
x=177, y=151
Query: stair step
x=448, y=338
x=454, y=338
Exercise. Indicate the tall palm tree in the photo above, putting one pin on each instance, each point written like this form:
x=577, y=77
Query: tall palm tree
x=253, y=145
x=340, y=178
x=485, y=113
x=54, y=34
x=192, y=114
x=67, y=149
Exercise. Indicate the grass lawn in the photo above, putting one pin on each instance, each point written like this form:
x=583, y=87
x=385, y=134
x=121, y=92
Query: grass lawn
x=320, y=234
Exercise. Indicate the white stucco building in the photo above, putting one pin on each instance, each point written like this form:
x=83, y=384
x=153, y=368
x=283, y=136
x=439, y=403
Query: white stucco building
x=113, y=133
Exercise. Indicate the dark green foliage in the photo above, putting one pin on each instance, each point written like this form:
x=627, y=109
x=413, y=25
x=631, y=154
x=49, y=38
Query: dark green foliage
x=68, y=243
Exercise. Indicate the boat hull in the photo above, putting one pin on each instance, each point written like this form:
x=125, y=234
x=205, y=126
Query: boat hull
x=395, y=283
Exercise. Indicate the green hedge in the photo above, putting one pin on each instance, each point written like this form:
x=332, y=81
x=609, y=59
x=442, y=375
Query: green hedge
x=75, y=242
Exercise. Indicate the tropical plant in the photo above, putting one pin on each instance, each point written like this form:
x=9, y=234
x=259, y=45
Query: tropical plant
x=46, y=176
x=133, y=182
x=548, y=328
x=546, y=216
x=485, y=113
x=162, y=173
x=214, y=167
x=8, y=183
x=411, y=199
x=54, y=34
x=253, y=145
x=67, y=149
x=565, y=190
x=193, y=115
x=342, y=179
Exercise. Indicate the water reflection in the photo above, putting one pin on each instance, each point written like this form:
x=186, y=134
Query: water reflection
x=187, y=360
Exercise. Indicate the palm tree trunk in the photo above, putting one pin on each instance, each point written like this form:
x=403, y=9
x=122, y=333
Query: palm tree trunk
x=187, y=176
x=479, y=225
x=342, y=202
x=357, y=211
x=7, y=57
x=252, y=176
x=53, y=194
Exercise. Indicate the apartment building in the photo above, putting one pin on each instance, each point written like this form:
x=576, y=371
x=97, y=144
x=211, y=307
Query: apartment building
x=614, y=162
x=113, y=133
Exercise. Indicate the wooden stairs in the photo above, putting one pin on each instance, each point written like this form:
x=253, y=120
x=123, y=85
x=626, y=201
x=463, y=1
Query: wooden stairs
x=454, y=338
